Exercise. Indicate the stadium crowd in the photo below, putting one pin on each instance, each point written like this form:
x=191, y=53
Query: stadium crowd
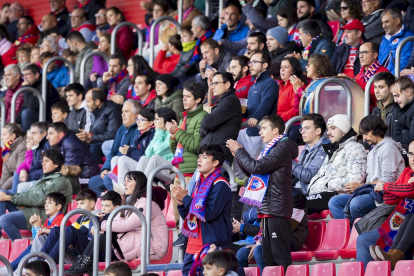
x=219, y=91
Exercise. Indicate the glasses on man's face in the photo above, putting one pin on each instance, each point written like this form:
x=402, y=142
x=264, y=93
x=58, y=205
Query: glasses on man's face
x=410, y=154
x=141, y=120
x=344, y=8
x=363, y=53
x=213, y=84
x=76, y=16
x=99, y=15
x=254, y=62
x=304, y=129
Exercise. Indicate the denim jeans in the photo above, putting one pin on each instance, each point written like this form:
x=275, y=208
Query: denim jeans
x=16, y=181
x=99, y=185
x=12, y=222
x=15, y=263
x=28, y=118
x=359, y=206
x=243, y=256
x=363, y=242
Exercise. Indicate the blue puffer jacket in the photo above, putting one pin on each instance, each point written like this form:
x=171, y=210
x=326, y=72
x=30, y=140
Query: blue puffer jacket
x=140, y=144
x=59, y=77
x=389, y=46
x=127, y=135
x=321, y=46
x=36, y=170
x=238, y=34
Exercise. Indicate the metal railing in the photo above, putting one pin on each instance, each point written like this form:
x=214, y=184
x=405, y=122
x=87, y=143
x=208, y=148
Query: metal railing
x=149, y=206
x=152, y=34
x=244, y=125
x=25, y=260
x=367, y=95
x=207, y=8
x=132, y=25
x=290, y=123
x=221, y=6
x=230, y=171
x=398, y=55
x=108, y=249
x=347, y=91
x=7, y=264
x=181, y=10
x=3, y=114
x=42, y=105
x=62, y=240
x=83, y=64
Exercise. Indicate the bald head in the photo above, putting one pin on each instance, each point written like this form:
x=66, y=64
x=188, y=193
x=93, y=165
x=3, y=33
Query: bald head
x=48, y=22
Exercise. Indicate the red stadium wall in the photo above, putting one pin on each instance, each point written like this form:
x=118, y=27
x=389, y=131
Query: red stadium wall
x=38, y=8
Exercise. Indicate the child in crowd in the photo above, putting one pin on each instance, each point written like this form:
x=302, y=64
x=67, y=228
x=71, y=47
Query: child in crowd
x=37, y=268
x=70, y=56
x=118, y=269
x=220, y=263
x=35, y=55
x=23, y=56
x=60, y=111
x=58, y=75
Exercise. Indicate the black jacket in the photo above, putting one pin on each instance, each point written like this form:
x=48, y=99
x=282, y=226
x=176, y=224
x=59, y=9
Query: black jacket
x=389, y=119
x=373, y=26
x=278, y=200
x=77, y=153
x=340, y=58
x=76, y=120
x=222, y=123
x=92, y=8
x=403, y=131
x=105, y=122
x=141, y=143
x=286, y=50
x=36, y=170
x=63, y=21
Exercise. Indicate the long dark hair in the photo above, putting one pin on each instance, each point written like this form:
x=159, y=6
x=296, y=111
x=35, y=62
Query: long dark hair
x=141, y=67
x=117, y=11
x=290, y=15
x=296, y=68
x=139, y=190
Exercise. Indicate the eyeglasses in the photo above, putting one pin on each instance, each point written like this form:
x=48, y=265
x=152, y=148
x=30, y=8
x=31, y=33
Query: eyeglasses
x=253, y=62
x=141, y=120
x=363, y=53
x=344, y=8
x=100, y=15
x=304, y=129
x=76, y=16
x=213, y=84
x=410, y=154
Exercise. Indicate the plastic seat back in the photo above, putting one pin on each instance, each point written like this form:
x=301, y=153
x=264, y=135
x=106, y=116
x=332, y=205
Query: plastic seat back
x=159, y=273
x=252, y=271
x=315, y=235
x=5, y=248
x=273, y=271
x=353, y=238
x=241, y=191
x=19, y=245
x=175, y=273
x=98, y=205
x=382, y=268
x=298, y=270
x=404, y=268
x=326, y=269
x=336, y=235
x=351, y=268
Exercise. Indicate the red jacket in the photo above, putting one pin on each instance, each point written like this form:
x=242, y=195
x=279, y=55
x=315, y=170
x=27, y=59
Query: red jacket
x=286, y=104
x=8, y=98
x=360, y=80
x=29, y=37
x=393, y=192
x=165, y=65
x=242, y=87
x=56, y=222
x=125, y=40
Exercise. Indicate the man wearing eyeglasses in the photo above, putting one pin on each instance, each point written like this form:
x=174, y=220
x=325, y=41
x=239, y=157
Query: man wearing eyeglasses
x=16, y=11
x=372, y=20
x=101, y=24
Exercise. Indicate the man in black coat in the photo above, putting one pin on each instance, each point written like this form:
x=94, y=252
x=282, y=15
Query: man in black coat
x=106, y=120
x=223, y=123
x=30, y=108
x=270, y=187
x=79, y=117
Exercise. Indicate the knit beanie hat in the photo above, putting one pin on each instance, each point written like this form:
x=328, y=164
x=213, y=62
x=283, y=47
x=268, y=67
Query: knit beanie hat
x=169, y=80
x=280, y=34
x=341, y=121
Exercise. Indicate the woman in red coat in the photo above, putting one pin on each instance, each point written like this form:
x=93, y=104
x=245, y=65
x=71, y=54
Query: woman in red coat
x=124, y=37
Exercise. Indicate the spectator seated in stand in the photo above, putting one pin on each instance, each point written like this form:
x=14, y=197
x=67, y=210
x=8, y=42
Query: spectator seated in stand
x=101, y=23
x=60, y=111
x=57, y=75
x=5, y=43
x=70, y=56
x=168, y=95
x=35, y=55
x=278, y=45
x=23, y=56
x=143, y=91
x=78, y=119
x=100, y=66
x=13, y=79
x=372, y=20
x=124, y=37
x=49, y=25
x=75, y=151
x=49, y=45
x=37, y=268
x=91, y=8
x=21, y=206
x=164, y=64
x=306, y=9
x=80, y=23
x=188, y=47
x=137, y=65
x=118, y=269
x=239, y=69
x=15, y=12
x=59, y=9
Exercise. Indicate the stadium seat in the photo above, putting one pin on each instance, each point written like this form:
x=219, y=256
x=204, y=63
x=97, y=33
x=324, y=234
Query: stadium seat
x=313, y=241
x=273, y=271
x=326, y=269
x=382, y=268
x=336, y=237
x=318, y=216
x=98, y=205
x=26, y=233
x=349, y=252
x=404, y=268
x=5, y=248
x=19, y=245
x=297, y=270
x=169, y=212
x=351, y=268
x=175, y=273
x=252, y=271
x=159, y=273
x=241, y=191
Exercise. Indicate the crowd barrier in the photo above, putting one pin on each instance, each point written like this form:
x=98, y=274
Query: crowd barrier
x=398, y=55
x=48, y=259
x=132, y=25
x=42, y=107
x=7, y=264
x=83, y=64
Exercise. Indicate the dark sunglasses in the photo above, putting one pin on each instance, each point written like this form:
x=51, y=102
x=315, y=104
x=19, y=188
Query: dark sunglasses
x=344, y=8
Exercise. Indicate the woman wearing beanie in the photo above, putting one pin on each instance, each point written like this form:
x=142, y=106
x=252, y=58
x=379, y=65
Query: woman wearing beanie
x=166, y=96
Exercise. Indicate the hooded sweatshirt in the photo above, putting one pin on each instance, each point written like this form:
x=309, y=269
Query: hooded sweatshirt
x=385, y=162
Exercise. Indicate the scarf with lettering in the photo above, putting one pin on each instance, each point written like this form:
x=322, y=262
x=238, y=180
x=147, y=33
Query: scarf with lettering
x=6, y=148
x=198, y=205
x=179, y=151
x=307, y=48
x=257, y=186
x=116, y=80
x=197, y=51
x=372, y=70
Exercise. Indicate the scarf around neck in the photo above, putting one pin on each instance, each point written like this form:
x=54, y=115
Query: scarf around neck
x=148, y=33
x=6, y=148
x=372, y=70
x=307, y=48
x=197, y=51
x=188, y=46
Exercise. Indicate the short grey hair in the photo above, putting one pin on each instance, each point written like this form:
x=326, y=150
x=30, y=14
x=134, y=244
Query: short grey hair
x=395, y=13
x=53, y=44
x=15, y=69
x=201, y=21
x=136, y=105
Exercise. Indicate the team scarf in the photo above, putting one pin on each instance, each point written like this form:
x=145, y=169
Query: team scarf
x=307, y=48
x=198, y=261
x=81, y=6
x=22, y=39
x=198, y=205
x=6, y=148
x=148, y=33
x=372, y=70
x=257, y=186
x=389, y=228
x=179, y=151
x=197, y=51
x=116, y=80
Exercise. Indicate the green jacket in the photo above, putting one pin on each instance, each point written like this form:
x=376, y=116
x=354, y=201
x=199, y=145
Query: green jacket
x=33, y=201
x=190, y=139
x=160, y=145
x=174, y=101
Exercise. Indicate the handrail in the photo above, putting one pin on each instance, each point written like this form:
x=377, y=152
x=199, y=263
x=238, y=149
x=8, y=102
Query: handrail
x=62, y=240
x=398, y=55
x=7, y=264
x=152, y=34
x=132, y=25
x=180, y=9
x=221, y=6
x=3, y=115
x=290, y=123
x=230, y=171
x=348, y=96
x=244, y=125
x=108, y=246
x=83, y=64
x=149, y=206
x=207, y=8
x=25, y=260
x=367, y=95
x=42, y=106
